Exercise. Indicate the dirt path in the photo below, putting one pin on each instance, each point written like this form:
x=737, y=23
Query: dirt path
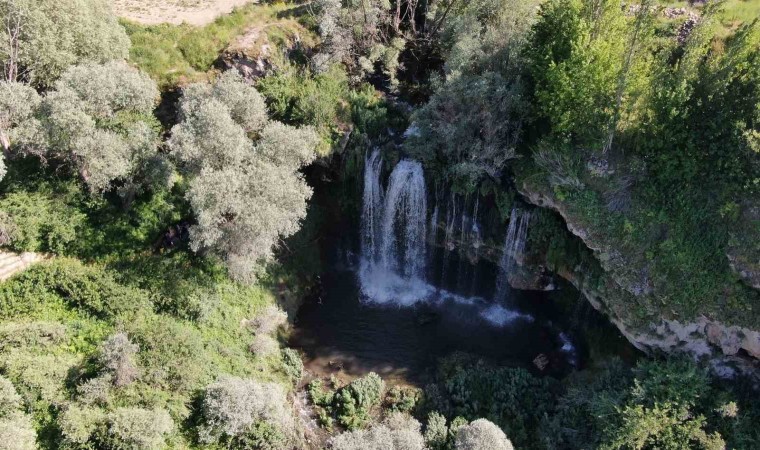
x=194, y=12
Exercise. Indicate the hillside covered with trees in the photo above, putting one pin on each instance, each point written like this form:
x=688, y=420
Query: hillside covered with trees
x=179, y=204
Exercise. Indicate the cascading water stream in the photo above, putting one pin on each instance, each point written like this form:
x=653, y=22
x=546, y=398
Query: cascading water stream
x=514, y=247
x=404, y=221
x=394, y=232
x=372, y=209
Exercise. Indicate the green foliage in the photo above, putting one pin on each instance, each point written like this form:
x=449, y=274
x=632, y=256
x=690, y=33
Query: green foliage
x=88, y=288
x=670, y=404
x=352, y=404
x=171, y=353
x=509, y=397
x=585, y=58
x=261, y=436
x=296, y=97
x=674, y=110
x=292, y=364
x=39, y=221
x=402, y=399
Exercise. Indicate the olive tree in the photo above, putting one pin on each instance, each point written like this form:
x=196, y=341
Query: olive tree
x=99, y=120
x=117, y=357
x=39, y=39
x=244, y=184
x=482, y=434
x=18, y=124
x=16, y=431
x=233, y=406
x=397, y=432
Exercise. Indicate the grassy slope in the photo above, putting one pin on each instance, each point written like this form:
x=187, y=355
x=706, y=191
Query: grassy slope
x=183, y=311
x=177, y=54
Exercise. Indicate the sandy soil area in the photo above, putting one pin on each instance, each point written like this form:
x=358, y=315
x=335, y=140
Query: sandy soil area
x=194, y=12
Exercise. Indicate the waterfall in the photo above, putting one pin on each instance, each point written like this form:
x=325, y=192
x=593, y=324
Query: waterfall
x=404, y=216
x=514, y=247
x=372, y=207
x=394, y=232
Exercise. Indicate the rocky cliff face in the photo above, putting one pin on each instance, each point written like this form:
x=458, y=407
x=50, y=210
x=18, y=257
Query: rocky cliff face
x=624, y=284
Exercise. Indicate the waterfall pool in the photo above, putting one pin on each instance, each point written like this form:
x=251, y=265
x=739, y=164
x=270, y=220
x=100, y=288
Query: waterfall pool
x=404, y=296
x=340, y=330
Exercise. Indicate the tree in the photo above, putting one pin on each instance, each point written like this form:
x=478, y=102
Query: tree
x=397, y=432
x=472, y=124
x=232, y=406
x=99, y=121
x=482, y=434
x=16, y=431
x=586, y=61
x=117, y=356
x=39, y=39
x=361, y=34
x=436, y=431
x=244, y=186
x=18, y=105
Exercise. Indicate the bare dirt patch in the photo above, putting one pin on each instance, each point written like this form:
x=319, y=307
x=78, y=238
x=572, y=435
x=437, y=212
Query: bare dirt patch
x=193, y=12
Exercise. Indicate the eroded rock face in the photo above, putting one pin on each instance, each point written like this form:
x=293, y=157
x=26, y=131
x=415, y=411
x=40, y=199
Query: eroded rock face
x=254, y=56
x=249, y=54
x=531, y=277
x=730, y=348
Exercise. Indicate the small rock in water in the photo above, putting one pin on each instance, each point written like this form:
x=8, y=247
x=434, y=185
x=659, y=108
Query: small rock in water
x=541, y=361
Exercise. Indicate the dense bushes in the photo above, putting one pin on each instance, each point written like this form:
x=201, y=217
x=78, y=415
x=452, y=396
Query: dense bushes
x=352, y=404
x=36, y=222
x=88, y=288
x=511, y=397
